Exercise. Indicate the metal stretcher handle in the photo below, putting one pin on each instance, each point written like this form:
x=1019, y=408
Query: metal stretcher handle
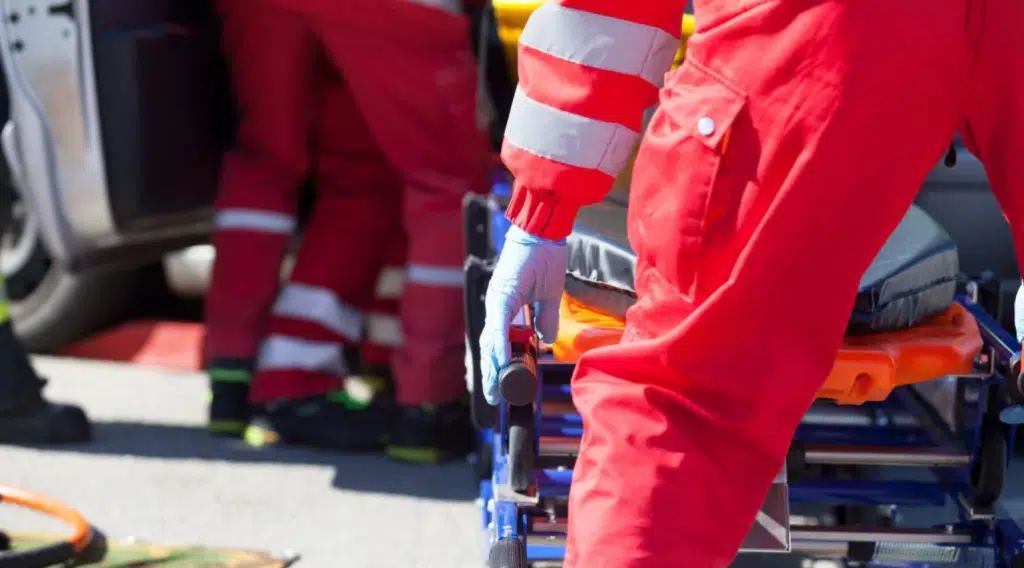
x=517, y=381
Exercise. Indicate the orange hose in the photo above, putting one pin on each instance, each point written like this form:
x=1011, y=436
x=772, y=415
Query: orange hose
x=82, y=533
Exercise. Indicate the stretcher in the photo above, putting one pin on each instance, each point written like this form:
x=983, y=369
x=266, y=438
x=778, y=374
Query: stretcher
x=921, y=383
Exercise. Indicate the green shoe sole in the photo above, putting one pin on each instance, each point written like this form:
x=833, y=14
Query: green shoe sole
x=419, y=455
x=226, y=427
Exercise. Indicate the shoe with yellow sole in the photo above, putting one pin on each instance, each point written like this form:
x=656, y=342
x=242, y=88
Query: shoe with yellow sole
x=353, y=419
x=229, y=396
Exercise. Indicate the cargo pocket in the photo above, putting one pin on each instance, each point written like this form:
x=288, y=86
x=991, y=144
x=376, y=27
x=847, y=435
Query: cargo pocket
x=685, y=190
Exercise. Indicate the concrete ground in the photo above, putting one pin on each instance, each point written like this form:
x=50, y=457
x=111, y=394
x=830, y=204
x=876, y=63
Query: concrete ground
x=153, y=473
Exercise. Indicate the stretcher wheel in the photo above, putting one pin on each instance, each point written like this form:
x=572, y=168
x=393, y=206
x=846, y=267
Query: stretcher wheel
x=508, y=553
x=521, y=448
x=989, y=469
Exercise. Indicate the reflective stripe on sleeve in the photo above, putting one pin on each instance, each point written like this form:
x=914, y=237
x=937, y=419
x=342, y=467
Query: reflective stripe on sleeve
x=384, y=330
x=282, y=352
x=254, y=220
x=601, y=42
x=321, y=306
x=569, y=138
x=389, y=284
x=438, y=276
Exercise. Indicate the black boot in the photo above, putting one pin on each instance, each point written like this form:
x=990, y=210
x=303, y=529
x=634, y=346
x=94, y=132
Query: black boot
x=26, y=417
x=354, y=419
x=229, y=396
x=431, y=434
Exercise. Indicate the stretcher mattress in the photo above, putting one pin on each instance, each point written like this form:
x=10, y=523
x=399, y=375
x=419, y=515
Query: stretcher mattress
x=912, y=279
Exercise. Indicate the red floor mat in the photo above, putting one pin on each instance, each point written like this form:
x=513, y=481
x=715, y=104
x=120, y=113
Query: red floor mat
x=172, y=345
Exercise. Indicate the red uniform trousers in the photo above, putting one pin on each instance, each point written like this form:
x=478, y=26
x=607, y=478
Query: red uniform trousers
x=307, y=120
x=785, y=150
x=410, y=105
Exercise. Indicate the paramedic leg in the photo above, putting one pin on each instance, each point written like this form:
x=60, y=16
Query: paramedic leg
x=383, y=327
x=995, y=121
x=433, y=139
x=785, y=151
x=25, y=416
x=267, y=46
x=302, y=371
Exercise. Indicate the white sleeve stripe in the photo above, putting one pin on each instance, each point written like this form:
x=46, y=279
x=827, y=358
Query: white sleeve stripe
x=601, y=42
x=569, y=138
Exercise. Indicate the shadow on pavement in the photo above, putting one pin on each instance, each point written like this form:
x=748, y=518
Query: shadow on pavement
x=364, y=472
x=361, y=472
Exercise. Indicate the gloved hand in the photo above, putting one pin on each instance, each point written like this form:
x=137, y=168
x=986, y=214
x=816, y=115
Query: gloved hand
x=1014, y=413
x=529, y=270
x=1018, y=314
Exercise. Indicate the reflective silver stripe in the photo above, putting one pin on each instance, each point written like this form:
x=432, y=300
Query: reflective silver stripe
x=601, y=42
x=282, y=352
x=781, y=476
x=389, y=284
x=440, y=276
x=776, y=529
x=322, y=306
x=569, y=138
x=254, y=220
x=384, y=330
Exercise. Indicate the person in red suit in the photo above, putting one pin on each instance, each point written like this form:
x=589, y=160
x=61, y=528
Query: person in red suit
x=378, y=100
x=784, y=152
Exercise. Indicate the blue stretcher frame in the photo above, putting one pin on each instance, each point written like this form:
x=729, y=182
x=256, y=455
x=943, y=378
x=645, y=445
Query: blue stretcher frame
x=906, y=428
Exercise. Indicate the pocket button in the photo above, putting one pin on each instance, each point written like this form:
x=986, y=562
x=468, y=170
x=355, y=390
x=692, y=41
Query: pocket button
x=706, y=126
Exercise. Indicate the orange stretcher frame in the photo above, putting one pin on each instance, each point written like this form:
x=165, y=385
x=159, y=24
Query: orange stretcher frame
x=867, y=368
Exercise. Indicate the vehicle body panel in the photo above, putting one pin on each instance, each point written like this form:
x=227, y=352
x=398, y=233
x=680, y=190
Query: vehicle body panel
x=113, y=132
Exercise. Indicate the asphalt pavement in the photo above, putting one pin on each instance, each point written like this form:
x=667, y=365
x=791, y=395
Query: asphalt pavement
x=152, y=473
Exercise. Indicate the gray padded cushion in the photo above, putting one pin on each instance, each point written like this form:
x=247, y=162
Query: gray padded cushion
x=913, y=278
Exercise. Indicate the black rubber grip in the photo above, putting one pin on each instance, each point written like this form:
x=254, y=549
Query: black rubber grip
x=518, y=380
x=51, y=555
x=508, y=553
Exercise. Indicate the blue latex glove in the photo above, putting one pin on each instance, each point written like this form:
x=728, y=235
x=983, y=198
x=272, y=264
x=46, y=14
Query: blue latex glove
x=1018, y=314
x=530, y=270
x=1014, y=414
